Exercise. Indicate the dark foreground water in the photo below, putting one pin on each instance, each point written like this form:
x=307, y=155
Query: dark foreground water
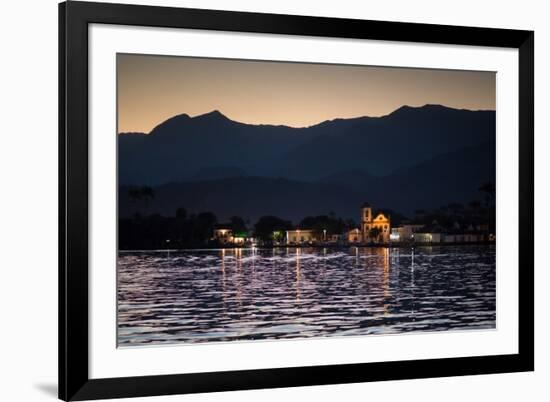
x=245, y=294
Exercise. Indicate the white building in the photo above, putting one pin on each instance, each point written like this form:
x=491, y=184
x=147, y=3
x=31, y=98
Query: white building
x=428, y=237
x=300, y=236
x=404, y=233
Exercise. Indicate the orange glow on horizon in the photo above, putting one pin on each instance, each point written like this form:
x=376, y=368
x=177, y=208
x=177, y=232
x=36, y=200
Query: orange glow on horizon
x=152, y=89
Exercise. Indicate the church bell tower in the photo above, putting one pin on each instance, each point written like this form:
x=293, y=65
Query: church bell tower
x=366, y=213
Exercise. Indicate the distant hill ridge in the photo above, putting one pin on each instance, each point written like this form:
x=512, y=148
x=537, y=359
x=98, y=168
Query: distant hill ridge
x=448, y=178
x=216, y=114
x=183, y=148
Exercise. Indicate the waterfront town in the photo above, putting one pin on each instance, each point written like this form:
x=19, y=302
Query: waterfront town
x=375, y=229
x=451, y=224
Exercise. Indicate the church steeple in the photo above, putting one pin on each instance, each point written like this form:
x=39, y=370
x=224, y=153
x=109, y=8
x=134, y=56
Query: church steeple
x=366, y=212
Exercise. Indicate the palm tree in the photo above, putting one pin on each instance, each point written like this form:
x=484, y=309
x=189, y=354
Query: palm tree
x=144, y=193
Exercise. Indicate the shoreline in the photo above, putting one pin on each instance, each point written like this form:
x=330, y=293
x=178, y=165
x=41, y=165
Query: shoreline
x=319, y=246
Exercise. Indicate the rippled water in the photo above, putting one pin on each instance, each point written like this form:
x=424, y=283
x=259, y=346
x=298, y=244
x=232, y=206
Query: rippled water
x=245, y=294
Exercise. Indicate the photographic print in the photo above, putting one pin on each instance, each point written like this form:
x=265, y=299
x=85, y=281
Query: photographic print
x=269, y=200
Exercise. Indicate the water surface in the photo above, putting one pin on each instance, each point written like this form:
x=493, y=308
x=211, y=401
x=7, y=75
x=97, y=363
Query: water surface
x=246, y=294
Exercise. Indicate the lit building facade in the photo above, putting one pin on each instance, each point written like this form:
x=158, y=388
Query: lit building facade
x=428, y=237
x=300, y=236
x=375, y=222
x=404, y=233
x=449, y=237
x=375, y=227
x=223, y=235
x=355, y=236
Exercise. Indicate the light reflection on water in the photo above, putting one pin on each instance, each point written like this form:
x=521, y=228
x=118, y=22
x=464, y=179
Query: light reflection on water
x=246, y=294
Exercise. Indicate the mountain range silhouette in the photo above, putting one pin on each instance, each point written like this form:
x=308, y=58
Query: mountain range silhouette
x=414, y=157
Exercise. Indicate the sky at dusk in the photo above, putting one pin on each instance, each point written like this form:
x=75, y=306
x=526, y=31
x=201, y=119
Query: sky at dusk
x=152, y=89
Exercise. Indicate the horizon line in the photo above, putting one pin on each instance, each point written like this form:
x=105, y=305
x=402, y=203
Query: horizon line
x=218, y=112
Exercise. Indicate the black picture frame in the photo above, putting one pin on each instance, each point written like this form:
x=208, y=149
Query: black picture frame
x=74, y=380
